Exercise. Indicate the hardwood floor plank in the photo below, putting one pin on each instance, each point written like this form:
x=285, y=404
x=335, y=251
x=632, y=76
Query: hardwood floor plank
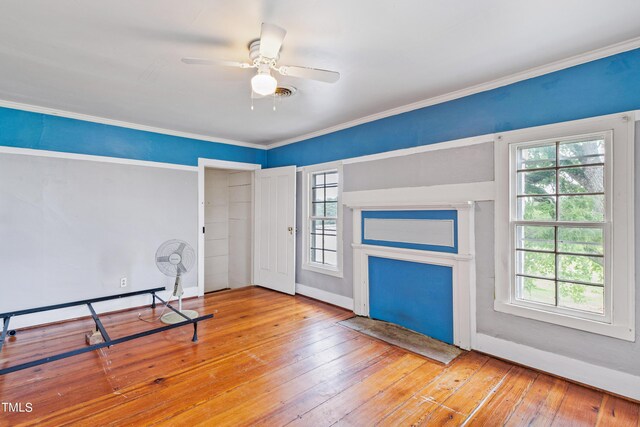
x=226, y=372
x=497, y=409
x=238, y=402
x=340, y=405
x=579, y=407
x=468, y=396
x=264, y=399
x=378, y=406
x=437, y=391
x=309, y=399
x=540, y=404
x=615, y=411
x=272, y=359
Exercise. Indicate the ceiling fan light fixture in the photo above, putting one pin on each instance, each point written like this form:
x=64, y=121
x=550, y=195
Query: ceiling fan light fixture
x=264, y=83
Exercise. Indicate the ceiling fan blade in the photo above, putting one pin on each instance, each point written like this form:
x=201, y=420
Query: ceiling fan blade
x=204, y=61
x=271, y=39
x=310, y=73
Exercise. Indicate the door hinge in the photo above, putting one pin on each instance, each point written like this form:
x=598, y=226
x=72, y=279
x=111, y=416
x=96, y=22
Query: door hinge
x=202, y=230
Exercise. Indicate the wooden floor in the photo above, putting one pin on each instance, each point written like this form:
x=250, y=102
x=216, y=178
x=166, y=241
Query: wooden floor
x=271, y=359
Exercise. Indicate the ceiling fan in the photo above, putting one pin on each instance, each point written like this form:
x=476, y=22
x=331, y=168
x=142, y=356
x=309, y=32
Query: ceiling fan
x=264, y=54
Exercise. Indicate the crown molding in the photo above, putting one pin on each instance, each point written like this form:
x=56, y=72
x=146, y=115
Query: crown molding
x=483, y=87
x=122, y=124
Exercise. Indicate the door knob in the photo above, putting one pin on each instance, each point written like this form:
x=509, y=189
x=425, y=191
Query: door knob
x=290, y=229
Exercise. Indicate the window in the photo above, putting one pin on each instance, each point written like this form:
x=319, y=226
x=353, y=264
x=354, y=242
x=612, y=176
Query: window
x=564, y=225
x=559, y=224
x=322, y=238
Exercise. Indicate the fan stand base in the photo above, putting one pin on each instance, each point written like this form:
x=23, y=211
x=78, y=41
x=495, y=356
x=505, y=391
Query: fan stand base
x=172, y=318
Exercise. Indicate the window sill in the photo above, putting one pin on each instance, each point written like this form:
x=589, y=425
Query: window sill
x=623, y=332
x=323, y=270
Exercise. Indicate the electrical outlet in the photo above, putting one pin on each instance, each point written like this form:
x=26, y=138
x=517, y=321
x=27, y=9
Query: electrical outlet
x=123, y=282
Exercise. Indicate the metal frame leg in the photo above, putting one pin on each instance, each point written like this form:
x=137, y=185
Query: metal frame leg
x=195, y=332
x=153, y=304
x=5, y=328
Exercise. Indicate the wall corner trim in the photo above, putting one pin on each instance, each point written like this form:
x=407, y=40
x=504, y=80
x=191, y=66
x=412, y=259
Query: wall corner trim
x=607, y=379
x=328, y=297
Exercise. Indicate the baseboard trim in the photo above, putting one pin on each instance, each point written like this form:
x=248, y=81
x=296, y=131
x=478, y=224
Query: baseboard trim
x=328, y=297
x=607, y=379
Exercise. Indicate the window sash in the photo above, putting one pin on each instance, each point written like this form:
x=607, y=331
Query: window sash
x=312, y=248
x=605, y=225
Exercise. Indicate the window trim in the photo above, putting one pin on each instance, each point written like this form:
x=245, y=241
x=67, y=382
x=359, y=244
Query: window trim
x=307, y=264
x=619, y=318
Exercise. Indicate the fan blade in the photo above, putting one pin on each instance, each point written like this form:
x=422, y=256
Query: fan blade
x=310, y=73
x=162, y=259
x=180, y=249
x=204, y=61
x=271, y=38
x=181, y=268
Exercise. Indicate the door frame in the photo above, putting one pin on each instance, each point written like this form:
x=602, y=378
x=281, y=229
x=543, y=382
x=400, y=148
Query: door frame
x=218, y=164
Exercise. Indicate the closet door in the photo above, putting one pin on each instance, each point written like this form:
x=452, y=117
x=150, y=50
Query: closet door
x=275, y=229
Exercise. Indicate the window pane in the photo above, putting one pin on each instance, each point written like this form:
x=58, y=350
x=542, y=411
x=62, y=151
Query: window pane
x=332, y=193
x=581, y=268
x=535, y=237
x=316, y=255
x=318, y=209
x=331, y=209
x=581, y=208
x=581, y=152
x=316, y=241
x=537, y=182
x=536, y=264
x=330, y=258
x=330, y=227
x=589, y=179
x=330, y=243
x=318, y=179
x=316, y=226
x=581, y=297
x=317, y=194
x=536, y=290
x=332, y=178
x=539, y=208
x=581, y=240
x=537, y=157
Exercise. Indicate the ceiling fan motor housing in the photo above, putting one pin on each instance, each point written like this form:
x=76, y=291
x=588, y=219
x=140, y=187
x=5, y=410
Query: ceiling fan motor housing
x=254, y=54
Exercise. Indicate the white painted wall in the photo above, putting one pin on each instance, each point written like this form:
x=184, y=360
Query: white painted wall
x=70, y=229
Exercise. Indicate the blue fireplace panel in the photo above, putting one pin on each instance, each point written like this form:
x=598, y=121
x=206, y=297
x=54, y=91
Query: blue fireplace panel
x=414, y=295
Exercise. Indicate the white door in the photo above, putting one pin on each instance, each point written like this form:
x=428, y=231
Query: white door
x=275, y=229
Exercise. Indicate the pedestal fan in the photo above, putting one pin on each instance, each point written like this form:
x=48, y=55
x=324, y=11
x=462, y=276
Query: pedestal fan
x=175, y=258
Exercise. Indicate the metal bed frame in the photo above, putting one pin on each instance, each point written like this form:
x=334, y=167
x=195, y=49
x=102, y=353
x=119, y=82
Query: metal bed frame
x=108, y=342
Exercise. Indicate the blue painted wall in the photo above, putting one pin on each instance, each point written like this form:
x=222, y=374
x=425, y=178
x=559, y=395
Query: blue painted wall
x=429, y=214
x=45, y=132
x=414, y=295
x=605, y=86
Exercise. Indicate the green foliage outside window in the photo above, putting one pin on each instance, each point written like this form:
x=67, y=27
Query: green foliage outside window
x=562, y=182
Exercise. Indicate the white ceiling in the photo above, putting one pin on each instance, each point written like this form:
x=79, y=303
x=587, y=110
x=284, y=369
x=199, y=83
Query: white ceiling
x=120, y=59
